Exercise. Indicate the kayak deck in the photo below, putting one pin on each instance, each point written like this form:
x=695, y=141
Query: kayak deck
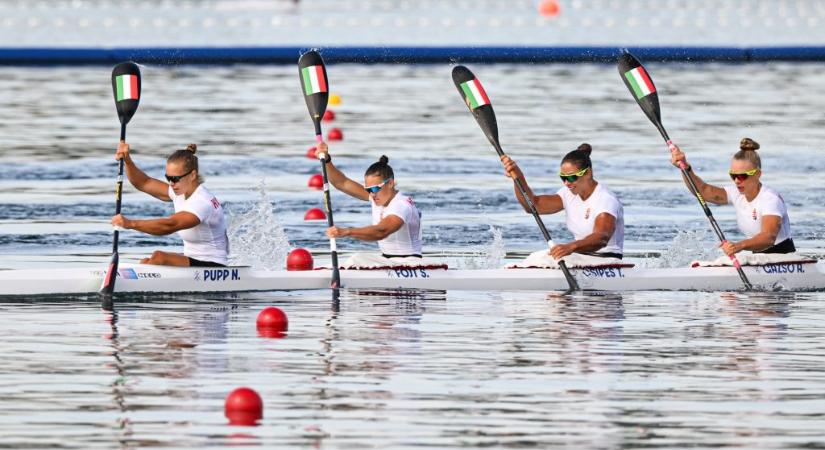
x=160, y=279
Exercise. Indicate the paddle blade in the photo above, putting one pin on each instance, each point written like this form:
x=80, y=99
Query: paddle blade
x=126, y=87
x=475, y=97
x=107, y=287
x=314, y=83
x=641, y=86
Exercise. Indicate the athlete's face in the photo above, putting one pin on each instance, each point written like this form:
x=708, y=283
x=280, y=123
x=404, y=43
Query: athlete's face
x=381, y=190
x=181, y=180
x=739, y=170
x=583, y=180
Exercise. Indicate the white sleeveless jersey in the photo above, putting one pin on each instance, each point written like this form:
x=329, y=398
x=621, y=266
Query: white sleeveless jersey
x=206, y=241
x=407, y=240
x=768, y=202
x=581, y=215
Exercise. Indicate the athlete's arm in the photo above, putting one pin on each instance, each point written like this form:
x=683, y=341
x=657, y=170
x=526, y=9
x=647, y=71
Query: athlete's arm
x=545, y=204
x=159, y=227
x=138, y=178
x=387, y=226
x=603, y=229
x=760, y=241
x=711, y=193
x=341, y=181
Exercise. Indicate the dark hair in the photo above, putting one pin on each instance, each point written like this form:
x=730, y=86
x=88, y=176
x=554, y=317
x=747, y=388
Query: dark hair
x=381, y=168
x=580, y=157
x=747, y=152
x=187, y=156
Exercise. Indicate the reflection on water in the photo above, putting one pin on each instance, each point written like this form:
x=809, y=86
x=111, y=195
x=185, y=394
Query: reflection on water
x=432, y=369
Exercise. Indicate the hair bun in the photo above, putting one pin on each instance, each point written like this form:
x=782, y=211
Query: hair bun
x=383, y=159
x=585, y=148
x=748, y=144
x=192, y=148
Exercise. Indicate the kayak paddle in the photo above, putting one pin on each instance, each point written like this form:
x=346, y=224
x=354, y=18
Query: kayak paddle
x=313, y=76
x=640, y=84
x=476, y=99
x=126, y=87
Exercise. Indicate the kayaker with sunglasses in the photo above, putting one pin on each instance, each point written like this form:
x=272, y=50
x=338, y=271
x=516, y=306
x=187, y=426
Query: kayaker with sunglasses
x=198, y=217
x=760, y=211
x=396, y=221
x=595, y=216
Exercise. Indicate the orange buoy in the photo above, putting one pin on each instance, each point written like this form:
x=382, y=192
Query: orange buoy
x=300, y=259
x=549, y=8
x=244, y=407
x=316, y=181
x=311, y=152
x=329, y=116
x=334, y=99
x=315, y=214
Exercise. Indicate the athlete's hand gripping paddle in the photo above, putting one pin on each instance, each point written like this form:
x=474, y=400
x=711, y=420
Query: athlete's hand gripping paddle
x=313, y=76
x=474, y=96
x=640, y=84
x=126, y=87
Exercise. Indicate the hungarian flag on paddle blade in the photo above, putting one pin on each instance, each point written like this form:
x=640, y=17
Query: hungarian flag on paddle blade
x=127, y=87
x=314, y=81
x=474, y=93
x=640, y=82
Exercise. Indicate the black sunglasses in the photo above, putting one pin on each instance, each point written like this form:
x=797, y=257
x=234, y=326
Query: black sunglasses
x=176, y=178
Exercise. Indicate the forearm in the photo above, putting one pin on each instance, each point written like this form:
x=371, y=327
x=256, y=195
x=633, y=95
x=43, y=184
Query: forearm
x=157, y=227
x=527, y=190
x=368, y=233
x=136, y=176
x=335, y=176
x=591, y=243
x=756, y=243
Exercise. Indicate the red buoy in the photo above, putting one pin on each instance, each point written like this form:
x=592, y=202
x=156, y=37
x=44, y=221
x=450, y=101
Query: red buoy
x=329, y=116
x=272, y=322
x=315, y=214
x=244, y=407
x=299, y=259
x=316, y=181
x=311, y=152
x=335, y=134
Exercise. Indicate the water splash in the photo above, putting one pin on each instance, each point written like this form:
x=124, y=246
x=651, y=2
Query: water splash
x=490, y=256
x=686, y=247
x=256, y=236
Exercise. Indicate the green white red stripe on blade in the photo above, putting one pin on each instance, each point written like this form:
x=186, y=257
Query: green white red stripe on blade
x=127, y=87
x=314, y=80
x=640, y=82
x=474, y=93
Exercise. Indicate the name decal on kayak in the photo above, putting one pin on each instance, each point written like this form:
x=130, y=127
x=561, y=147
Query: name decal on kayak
x=602, y=272
x=220, y=274
x=408, y=273
x=783, y=268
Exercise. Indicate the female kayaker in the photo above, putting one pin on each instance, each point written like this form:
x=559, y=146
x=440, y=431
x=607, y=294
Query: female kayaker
x=760, y=211
x=594, y=215
x=396, y=221
x=198, y=217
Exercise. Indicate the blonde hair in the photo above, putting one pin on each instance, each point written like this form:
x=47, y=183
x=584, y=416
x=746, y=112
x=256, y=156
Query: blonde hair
x=747, y=152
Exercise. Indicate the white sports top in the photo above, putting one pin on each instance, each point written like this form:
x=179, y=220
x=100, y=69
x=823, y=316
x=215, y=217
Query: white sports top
x=768, y=202
x=407, y=240
x=581, y=215
x=206, y=241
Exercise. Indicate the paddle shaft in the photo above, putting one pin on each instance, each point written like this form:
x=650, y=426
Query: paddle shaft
x=119, y=188
x=574, y=285
x=713, y=224
x=333, y=248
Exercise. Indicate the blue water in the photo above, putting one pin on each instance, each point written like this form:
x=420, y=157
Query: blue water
x=493, y=369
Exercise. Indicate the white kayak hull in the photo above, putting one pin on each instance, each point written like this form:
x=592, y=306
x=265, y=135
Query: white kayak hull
x=159, y=279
